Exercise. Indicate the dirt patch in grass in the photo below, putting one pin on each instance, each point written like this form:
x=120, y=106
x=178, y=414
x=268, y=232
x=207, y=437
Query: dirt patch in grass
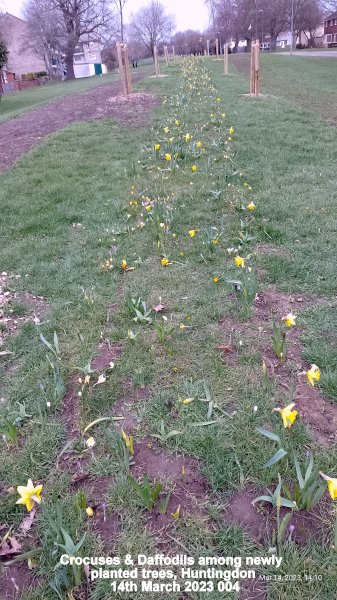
x=271, y=305
x=259, y=521
x=179, y=474
x=17, y=308
x=21, y=134
x=16, y=578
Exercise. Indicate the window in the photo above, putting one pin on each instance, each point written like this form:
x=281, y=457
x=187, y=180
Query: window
x=335, y=37
x=92, y=56
x=78, y=58
x=328, y=38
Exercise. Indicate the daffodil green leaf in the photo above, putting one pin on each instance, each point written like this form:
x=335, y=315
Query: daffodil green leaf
x=276, y=458
x=264, y=499
x=287, y=503
x=204, y=423
x=100, y=420
x=268, y=434
x=299, y=473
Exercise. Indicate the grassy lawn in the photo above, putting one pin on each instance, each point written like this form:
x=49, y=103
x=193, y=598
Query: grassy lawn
x=12, y=105
x=139, y=207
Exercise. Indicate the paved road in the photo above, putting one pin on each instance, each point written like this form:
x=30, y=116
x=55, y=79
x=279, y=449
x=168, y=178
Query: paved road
x=314, y=53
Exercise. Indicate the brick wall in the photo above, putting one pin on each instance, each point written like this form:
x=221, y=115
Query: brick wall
x=21, y=58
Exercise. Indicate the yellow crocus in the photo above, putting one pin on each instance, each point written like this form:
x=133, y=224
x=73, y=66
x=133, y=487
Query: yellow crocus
x=165, y=262
x=289, y=320
x=239, y=261
x=166, y=129
x=231, y=131
x=124, y=264
x=89, y=511
x=332, y=485
x=128, y=440
x=215, y=279
x=176, y=514
x=194, y=168
x=288, y=415
x=29, y=494
x=313, y=374
x=157, y=146
x=187, y=137
x=199, y=144
x=168, y=157
x=251, y=206
x=192, y=233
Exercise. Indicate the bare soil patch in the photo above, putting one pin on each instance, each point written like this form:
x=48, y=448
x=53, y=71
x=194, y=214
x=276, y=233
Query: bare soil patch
x=21, y=134
x=17, y=308
x=260, y=520
x=271, y=305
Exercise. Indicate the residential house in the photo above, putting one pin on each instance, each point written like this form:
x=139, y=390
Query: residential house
x=88, y=59
x=22, y=58
x=330, y=30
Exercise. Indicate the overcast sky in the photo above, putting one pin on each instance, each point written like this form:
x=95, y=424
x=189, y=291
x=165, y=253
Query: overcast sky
x=189, y=14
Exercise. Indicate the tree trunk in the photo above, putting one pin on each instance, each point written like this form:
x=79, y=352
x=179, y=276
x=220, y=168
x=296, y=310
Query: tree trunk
x=70, y=65
x=273, y=40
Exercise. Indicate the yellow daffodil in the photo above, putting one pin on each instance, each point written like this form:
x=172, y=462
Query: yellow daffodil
x=289, y=320
x=182, y=326
x=288, y=415
x=231, y=131
x=176, y=514
x=29, y=494
x=166, y=129
x=199, y=144
x=124, y=264
x=187, y=137
x=171, y=140
x=148, y=208
x=194, y=168
x=177, y=122
x=215, y=279
x=251, y=206
x=128, y=440
x=192, y=232
x=89, y=511
x=165, y=262
x=332, y=485
x=313, y=374
x=90, y=443
x=215, y=242
x=168, y=157
x=239, y=261
x=157, y=146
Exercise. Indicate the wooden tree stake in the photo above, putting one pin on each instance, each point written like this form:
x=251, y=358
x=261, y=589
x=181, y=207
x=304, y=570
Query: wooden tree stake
x=217, y=47
x=225, y=59
x=255, y=68
x=156, y=61
x=173, y=53
x=207, y=47
x=121, y=69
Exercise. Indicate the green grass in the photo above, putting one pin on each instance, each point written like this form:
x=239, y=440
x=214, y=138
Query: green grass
x=287, y=154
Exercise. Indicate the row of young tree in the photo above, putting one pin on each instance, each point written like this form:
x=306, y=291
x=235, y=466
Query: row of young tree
x=248, y=19
x=57, y=27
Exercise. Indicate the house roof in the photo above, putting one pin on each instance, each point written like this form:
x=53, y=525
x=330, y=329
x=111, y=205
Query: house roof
x=332, y=16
